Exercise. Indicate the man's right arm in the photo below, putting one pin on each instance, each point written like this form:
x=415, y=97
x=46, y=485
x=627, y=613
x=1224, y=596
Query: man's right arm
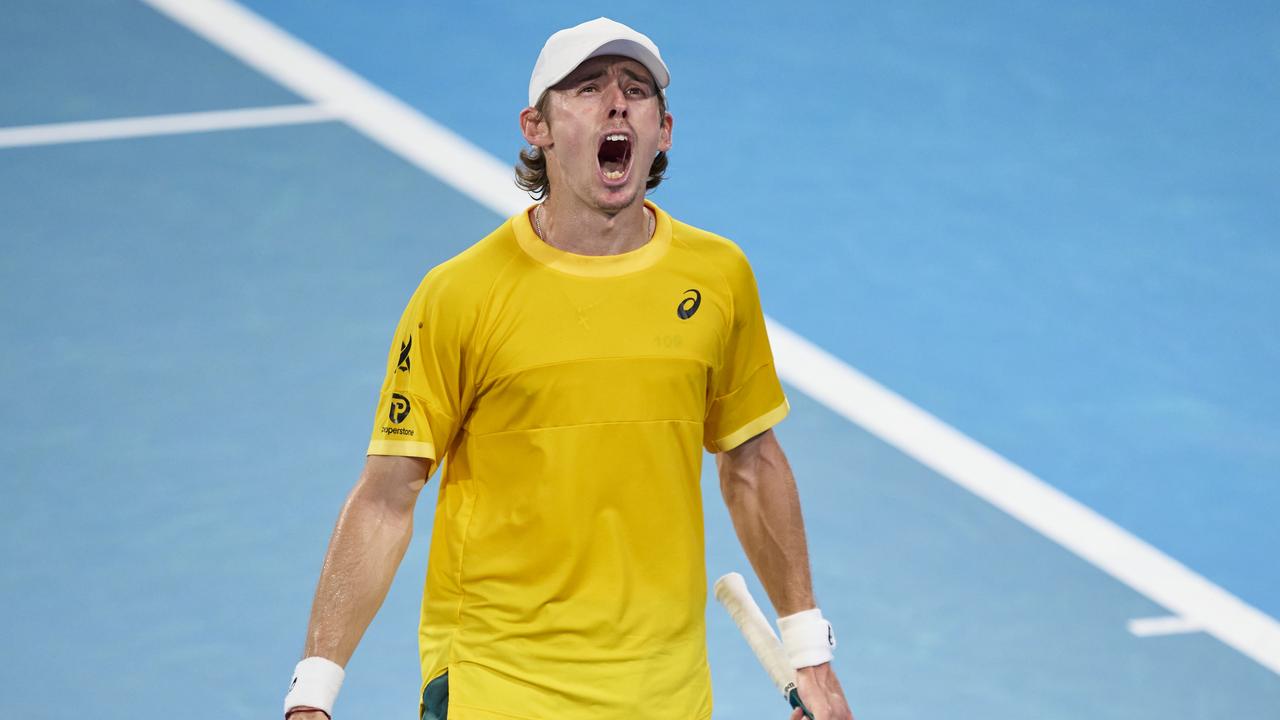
x=368, y=543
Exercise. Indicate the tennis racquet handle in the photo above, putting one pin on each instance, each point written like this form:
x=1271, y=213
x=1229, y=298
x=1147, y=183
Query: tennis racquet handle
x=731, y=591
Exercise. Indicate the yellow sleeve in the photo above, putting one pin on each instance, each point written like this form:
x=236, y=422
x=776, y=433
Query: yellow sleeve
x=426, y=388
x=747, y=396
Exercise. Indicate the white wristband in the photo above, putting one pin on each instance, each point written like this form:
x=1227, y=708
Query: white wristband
x=807, y=638
x=316, y=682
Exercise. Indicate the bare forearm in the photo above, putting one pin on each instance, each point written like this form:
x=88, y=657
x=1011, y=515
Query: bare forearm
x=760, y=493
x=367, y=546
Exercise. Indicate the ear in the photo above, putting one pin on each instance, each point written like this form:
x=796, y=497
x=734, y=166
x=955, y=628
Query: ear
x=664, y=133
x=535, y=128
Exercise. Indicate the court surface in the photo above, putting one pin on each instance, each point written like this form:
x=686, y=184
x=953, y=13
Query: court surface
x=1020, y=262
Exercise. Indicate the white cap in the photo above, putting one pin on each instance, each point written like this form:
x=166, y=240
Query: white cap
x=569, y=48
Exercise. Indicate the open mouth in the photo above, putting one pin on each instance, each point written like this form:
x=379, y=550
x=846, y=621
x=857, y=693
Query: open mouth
x=614, y=156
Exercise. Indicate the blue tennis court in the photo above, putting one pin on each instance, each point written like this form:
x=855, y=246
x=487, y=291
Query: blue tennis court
x=1020, y=261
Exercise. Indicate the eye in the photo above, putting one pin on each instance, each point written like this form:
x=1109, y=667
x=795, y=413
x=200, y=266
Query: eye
x=587, y=89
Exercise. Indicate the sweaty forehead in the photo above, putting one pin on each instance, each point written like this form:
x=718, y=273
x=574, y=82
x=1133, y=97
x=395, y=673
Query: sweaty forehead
x=605, y=65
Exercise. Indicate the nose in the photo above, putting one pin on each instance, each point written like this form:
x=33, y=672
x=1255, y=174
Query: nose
x=617, y=103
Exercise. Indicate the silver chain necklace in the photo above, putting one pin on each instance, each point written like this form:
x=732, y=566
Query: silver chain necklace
x=537, y=222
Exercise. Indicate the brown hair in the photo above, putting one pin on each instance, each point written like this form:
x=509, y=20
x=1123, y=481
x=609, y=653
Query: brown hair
x=531, y=171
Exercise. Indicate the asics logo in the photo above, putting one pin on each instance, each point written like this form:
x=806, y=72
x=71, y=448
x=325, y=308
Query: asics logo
x=689, y=305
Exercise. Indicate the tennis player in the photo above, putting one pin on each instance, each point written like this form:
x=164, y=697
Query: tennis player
x=568, y=370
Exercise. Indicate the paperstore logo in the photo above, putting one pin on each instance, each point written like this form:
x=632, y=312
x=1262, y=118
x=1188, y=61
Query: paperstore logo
x=399, y=408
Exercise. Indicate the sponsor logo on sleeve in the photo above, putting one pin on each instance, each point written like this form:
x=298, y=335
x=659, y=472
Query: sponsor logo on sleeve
x=399, y=408
x=399, y=411
x=403, y=364
x=689, y=305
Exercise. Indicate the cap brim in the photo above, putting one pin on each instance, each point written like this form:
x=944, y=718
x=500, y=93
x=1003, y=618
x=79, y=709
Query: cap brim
x=637, y=52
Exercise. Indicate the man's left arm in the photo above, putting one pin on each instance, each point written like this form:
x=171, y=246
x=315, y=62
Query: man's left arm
x=761, y=495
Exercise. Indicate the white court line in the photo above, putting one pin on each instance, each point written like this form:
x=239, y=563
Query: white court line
x=114, y=129
x=828, y=380
x=1026, y=497
x=1167, y=625
x=377, y=114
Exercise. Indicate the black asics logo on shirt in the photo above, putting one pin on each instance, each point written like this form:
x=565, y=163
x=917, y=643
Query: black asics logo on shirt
x=399, y=408
x=404, y=355
x=689, y=305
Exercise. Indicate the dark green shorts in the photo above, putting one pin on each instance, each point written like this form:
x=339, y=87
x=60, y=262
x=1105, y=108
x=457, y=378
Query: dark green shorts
x=435, y=699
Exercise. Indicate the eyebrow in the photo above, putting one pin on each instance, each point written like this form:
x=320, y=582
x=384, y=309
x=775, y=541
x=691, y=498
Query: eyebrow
x=585, y=78
x=638, y=77
x=601, y=73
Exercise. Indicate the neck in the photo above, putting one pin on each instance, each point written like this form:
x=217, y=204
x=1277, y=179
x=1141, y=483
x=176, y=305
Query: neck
x=589, y=231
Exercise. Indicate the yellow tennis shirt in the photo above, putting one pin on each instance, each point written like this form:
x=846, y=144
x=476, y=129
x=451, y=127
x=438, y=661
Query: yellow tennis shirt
x=570, y=398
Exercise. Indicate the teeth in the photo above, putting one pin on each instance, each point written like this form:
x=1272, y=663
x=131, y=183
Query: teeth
x=615, y=138
x=614, y=175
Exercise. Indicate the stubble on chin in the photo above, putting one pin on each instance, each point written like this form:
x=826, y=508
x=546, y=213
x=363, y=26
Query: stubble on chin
x=615, y=202
x=614, y=205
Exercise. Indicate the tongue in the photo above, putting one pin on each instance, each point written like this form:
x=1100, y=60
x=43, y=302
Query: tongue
x=613, y=167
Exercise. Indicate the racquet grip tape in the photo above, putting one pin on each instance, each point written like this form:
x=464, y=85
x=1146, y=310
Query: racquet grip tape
x=796, y=702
